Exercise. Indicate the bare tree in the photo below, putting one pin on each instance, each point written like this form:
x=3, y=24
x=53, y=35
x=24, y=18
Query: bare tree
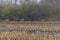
x=16, y=2
x=11, y=1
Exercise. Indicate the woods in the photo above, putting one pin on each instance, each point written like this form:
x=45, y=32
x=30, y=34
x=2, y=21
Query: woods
x=30, y=11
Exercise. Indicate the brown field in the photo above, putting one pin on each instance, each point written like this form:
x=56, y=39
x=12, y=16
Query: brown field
x=24, y=36
x=18, y=31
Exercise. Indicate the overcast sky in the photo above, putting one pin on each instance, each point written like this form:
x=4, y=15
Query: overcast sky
x=14, y=1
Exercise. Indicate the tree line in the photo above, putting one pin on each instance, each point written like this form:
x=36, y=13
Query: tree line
x=30, y=11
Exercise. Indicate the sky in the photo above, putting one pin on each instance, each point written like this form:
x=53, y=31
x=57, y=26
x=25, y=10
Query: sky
x=37, y=1
x=14, y=1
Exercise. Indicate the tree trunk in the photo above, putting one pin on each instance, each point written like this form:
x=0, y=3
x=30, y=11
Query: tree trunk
x=16, y=2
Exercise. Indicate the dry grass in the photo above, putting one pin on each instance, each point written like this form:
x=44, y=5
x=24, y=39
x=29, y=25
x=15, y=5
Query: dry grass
x=29, y=27
x=24, y=35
